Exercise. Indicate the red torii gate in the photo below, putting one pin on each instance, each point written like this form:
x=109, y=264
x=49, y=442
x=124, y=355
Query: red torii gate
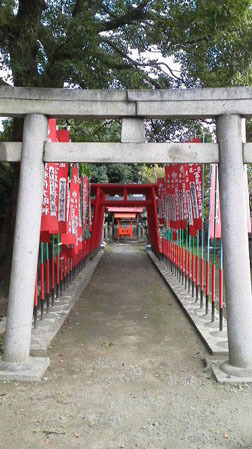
x=100, y=203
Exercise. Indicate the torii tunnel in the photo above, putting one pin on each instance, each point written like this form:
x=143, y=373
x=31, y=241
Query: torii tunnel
x=101, y=191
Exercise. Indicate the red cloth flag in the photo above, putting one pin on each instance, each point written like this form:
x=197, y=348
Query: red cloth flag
x=161, y=200
x=169, y=213
x=183, y=185
x=215, y=208
x=194, y=198
x=62, y=197
x=71, y=236
x=55, y=178
x=215, y=213
x=49, y=221
x=85, y=190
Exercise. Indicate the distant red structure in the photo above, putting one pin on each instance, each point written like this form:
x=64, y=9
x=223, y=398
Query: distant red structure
x=101, y=191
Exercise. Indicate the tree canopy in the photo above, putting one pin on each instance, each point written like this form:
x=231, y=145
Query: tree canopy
x=90, y=43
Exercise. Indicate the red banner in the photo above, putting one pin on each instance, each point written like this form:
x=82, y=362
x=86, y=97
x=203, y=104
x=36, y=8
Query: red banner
x=62, y=182
x=214, y=214
x=85, y=189
x=215, y=209
x=161, y=200
x=71, y=236
x=183, y=182
x=49, y=221
x=54, y=172
x=194, y=198
x=169, y=214
x=184, y=196
x=89, y=209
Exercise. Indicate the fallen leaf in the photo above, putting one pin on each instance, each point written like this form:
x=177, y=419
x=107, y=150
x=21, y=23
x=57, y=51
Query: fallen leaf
x=37, y=430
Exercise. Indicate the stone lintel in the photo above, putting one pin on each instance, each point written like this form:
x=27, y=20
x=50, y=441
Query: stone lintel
x=64, y=108
x=10, y=151
x=190, y=95
x=102, y=104
x=97, y=152
x=196, y=109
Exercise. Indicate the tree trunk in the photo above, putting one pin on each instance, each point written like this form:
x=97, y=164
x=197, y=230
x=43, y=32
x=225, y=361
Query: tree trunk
x=8, y=225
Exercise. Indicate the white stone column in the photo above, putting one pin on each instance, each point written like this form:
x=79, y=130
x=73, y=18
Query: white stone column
x=235, y=244
x=26, y=242
x=132, y=130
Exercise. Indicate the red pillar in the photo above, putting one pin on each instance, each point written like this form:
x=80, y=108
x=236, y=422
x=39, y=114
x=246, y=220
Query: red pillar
x=153, y=221
x=99, y=210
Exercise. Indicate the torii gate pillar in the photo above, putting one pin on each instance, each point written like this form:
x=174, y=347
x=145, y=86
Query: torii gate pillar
x=17, y=362
x=235, y=244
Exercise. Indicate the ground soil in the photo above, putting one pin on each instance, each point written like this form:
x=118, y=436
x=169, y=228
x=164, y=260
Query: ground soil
x=126, y=372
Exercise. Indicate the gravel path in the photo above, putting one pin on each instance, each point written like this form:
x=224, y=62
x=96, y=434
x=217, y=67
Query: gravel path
x=126, y=372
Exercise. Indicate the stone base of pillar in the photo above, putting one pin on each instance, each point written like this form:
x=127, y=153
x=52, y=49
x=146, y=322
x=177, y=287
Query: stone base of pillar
x=31, y=371
x=223, y=372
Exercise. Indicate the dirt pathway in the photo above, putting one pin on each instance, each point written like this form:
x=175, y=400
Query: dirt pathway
x=126, y=372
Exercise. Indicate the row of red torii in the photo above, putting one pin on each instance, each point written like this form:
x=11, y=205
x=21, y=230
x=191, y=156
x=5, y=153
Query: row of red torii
x=226, y=105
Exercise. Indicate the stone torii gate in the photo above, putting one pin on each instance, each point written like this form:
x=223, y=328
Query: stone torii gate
x=227, y=105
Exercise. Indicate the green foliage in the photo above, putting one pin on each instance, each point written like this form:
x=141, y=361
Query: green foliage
x=6, y=170
x=89, y=43
x=95, y=130
x=149, y=174
x=117, y=173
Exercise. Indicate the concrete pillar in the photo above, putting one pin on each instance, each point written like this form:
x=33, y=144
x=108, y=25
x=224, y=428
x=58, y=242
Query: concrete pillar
x=132, y=130
x=26, y=241
x=235, y=244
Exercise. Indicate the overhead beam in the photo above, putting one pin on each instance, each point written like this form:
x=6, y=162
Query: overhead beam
x=102, y=104
x=148, y=153
x=65, y=103
x=110, y=152
x=247, y=153
x=201, y=109
x=10, y=151
x=132, y=203
x=131, y=188
x=192, y=103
